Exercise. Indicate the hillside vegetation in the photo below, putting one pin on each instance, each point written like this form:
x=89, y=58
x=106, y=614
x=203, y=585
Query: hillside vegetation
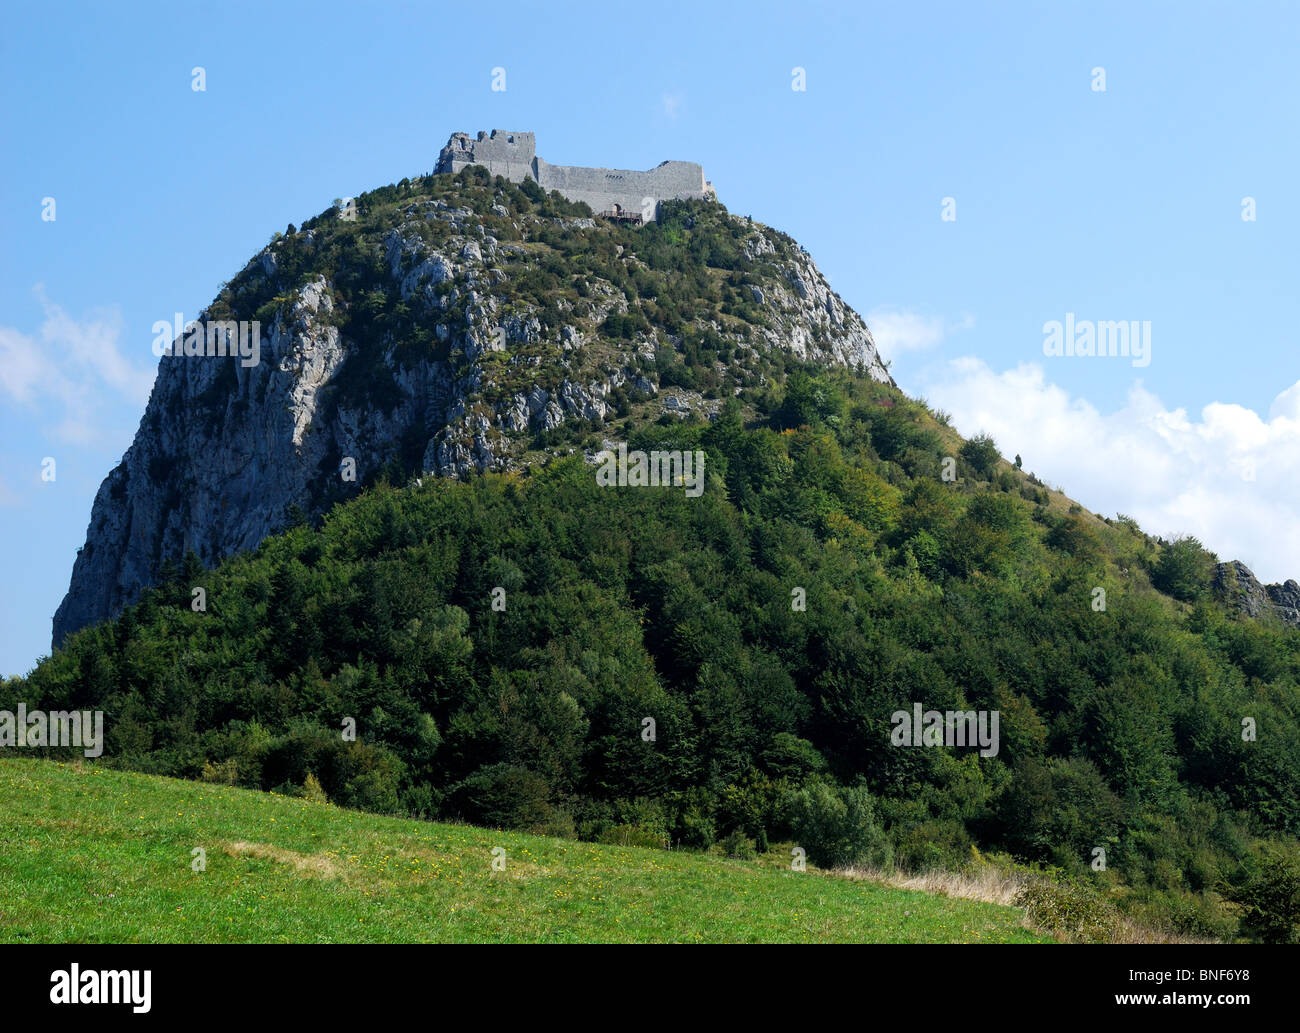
x=1121, y=724
x=92, y=855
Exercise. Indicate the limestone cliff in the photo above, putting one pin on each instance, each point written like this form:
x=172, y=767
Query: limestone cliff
x=460, y=324
x=1236, y=585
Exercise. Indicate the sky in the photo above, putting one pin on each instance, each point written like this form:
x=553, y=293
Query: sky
x=963, y=173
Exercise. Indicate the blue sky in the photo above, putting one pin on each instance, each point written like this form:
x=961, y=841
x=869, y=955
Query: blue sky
x=1122, y=204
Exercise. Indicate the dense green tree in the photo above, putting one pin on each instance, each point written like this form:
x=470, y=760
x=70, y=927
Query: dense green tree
x=1269, y=895
x=1184, y=570
x=981, y=452
x=836, y=827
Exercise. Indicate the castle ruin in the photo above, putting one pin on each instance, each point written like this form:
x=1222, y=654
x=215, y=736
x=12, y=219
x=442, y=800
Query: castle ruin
x=612, y=193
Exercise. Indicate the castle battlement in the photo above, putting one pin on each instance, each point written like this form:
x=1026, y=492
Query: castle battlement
x=624, y=192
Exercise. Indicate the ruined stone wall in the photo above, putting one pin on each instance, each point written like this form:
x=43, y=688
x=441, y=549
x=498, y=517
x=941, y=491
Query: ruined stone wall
x=504, y=154
x=514, y=156
x=605, y=188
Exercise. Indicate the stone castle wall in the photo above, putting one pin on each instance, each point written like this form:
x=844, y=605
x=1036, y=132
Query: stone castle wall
x=504, y=154
x=514, y=156
x=604, y=189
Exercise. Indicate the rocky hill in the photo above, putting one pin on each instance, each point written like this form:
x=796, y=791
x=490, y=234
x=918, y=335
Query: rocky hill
x=446, y=325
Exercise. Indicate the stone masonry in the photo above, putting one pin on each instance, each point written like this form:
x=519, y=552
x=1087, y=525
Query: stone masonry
x=622, y=191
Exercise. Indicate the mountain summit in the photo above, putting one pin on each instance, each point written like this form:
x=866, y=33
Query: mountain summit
x=452, y=323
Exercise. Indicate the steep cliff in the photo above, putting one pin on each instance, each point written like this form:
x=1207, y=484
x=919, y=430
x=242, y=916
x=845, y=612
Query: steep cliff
x=446, y=325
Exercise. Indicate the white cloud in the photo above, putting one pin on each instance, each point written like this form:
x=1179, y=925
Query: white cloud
x=672, y=103
x=69, y=368
x=21, y=365
x=897, y=331
x=1174, y=473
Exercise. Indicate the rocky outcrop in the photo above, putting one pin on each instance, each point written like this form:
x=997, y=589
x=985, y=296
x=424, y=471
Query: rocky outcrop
x=1236, y=586
x=1286, y=601
x=226, y=450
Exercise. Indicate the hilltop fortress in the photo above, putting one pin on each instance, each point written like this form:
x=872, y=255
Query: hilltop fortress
x=613, y=193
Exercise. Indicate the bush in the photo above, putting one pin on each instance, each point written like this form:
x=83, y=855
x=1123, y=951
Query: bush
x=1184, y=570
x=225, y=773
x=739, y=847
x=809, y=401
x=835, y=826
x=1268, y=898
x=311, y=790
x=503, y=796
x=981, y=452
x=374, y=776
x=420, y=802
x=1068, y=909
x=695, y=826
x=1058, y=805
x=941, y=844
x=895, y=431
x=624, y=326
x=531, y=190
x=672, y=371
x=791, y=757
x=1073, y=537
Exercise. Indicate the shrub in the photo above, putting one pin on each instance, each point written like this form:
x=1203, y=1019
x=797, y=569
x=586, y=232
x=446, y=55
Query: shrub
x=672, y=371
x=1073, y=537
x=311, y=790
x=895, y=431
x=695, y=826
x=225, y=773
x=791, y=757
x=531, y=190
x=809, y=401
x=420, y=802
x=835, y=826
x=624, y=326
x=375, y=775
x=1058, y=804
x=1268, y=898
x=1184, y=570
x=503, y=796
x=941, y=844
x=981, y=452
x=739, y=847
x=1068, y=909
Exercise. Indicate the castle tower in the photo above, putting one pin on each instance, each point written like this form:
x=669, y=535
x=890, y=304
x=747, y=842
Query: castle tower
x=509, y=155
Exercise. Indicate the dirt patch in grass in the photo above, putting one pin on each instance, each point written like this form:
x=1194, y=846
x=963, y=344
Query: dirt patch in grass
x=320, y=866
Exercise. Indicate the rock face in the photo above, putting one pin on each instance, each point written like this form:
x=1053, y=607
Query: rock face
x=447, y=360
x=1286, y=601
x=1237, y=586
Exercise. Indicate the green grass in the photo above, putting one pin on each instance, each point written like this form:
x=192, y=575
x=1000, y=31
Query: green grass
x=89, y=854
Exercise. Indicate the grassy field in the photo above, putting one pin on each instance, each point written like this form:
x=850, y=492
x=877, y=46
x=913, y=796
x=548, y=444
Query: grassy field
x=90, y=855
